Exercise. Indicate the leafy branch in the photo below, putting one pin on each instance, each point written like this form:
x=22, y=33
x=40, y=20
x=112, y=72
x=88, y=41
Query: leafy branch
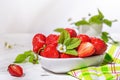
x=107, y=38
x=95, y=19
x=29, y=56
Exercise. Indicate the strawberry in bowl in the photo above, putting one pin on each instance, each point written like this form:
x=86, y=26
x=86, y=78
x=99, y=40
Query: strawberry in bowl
x=68, y=50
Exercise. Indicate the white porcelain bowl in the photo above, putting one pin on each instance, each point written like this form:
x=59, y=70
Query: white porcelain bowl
x=63, y=65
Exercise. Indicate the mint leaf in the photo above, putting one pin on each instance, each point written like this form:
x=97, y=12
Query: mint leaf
x=72, y=43
x=20, y=58
x=100, y=14
x=107, y=38
x=107, y=22
x=104, y=36
x=81, y=22
x=59, y=30
x=33, y=59
x=72, y=52
x=97, y=19
x=63, y=36
x=27, y=55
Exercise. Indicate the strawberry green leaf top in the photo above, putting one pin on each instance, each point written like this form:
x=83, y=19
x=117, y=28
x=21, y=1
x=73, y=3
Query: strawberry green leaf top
x=67, y=44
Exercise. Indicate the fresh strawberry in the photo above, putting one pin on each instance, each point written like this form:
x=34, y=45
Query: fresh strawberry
x=38, y=42
x=85, y=49
x=15, y=70
x=72, y=32
x=50, y=51
x=83, y=38
x=52, y=39
x=100, y=45
x=63, y=55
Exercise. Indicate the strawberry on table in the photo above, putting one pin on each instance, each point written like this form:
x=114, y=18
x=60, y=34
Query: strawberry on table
x=100, y=45
x=15, y=70
x=52, y=39
x=86, y=49
x=38, y=42
x=72, y=32
x=83, y=38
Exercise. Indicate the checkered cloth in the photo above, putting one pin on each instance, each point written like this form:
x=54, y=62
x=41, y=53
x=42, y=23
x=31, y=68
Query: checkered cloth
x=108, y=70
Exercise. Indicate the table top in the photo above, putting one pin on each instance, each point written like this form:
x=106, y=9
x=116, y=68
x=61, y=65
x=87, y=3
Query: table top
x=22, y=42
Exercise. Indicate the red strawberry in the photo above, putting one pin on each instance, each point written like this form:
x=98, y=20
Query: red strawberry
x=50, y=51
x=15, y=70
x=85, y=49
x=83, y=38
x=100, y=45
x=52, y=39
x=63, y=55
x=72, y=32
x=38, y=42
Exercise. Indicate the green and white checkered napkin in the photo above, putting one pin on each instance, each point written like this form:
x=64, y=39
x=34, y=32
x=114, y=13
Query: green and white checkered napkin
x=108, y=70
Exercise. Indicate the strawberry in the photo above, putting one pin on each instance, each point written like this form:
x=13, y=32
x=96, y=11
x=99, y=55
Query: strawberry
x=38, y=42
x=50, y=51
x=52, y=39
x=85, y=49
x=83, y=38
x=72, y=32
x=15, y=70
x=100, y=45
x=63, y=55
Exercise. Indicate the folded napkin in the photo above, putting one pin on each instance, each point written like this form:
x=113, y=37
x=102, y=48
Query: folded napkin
x=108, y=70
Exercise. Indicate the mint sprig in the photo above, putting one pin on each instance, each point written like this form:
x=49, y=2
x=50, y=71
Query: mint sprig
x=108, y=39
x=27, y=56
x=95, y=19
x=69, y=43
x=81, y=22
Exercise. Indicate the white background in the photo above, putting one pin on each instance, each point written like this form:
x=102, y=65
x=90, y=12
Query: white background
x=33, y=16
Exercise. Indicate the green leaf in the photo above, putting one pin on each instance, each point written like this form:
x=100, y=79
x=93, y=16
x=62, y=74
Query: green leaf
x=72, y=43
x=26, y=55
x=107, y=22
x=71, y=52
x=20, y=58
x=107, y=59
x=100, y=14
x=31, y=58
x=81, y=22
x=104, y=36
x=98, y=19
x=63, y=36
x=59, y=30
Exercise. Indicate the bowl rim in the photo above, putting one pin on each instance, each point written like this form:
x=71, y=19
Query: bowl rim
x=74, y=58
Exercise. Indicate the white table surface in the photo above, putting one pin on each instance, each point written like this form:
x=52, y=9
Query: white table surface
x=20, y=43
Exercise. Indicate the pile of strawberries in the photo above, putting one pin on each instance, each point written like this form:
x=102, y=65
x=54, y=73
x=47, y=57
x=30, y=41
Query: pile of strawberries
x=46, y=46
